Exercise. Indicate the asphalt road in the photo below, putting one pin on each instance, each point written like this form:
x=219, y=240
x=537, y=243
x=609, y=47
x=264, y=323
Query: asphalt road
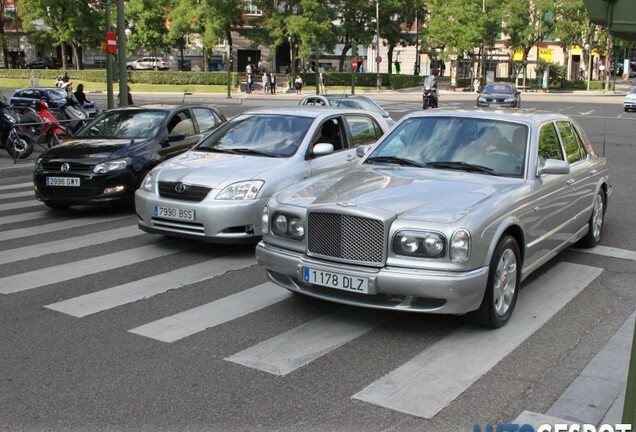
x=103, y=327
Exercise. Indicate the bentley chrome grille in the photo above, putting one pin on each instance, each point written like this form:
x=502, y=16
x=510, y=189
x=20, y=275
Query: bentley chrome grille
x=182, y=191
x=345, y=237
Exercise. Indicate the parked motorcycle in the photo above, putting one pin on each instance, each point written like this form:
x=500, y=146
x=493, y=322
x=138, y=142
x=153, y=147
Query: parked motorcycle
x=75, y=113
x=13, y=137
x=45, y=129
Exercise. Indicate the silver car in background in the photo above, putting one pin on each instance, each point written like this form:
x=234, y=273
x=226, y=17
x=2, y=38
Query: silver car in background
x=448, y=213
x=216, y=191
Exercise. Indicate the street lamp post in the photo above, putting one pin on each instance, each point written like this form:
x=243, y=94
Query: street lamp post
x=121, y=53
x=377, y=33
x=589, y=64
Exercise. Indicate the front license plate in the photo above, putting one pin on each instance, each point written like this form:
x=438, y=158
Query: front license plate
x=174, y=213
x=494, y=105
x=336, y=280
x=62, y=181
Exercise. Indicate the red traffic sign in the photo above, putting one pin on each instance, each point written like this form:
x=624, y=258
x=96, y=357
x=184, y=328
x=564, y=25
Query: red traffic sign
x=354, y=64
x=378, y=59
x=111, y=42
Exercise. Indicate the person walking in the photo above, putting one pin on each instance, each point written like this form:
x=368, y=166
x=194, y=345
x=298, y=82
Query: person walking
x=298, y=85
x=266, y=83
x=272, y=83
x=323, y=83
x=249, y=83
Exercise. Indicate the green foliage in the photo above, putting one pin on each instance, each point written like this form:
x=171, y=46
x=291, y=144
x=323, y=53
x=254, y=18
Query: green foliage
x=556, y=73
x=149, y=30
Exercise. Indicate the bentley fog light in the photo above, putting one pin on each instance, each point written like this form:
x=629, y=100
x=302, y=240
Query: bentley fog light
x=421, y=244
x=289, y=226
x=245, y=190
x=265, y=220
x=460, y=246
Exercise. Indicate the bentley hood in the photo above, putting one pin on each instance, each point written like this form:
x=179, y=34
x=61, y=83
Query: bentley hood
x=409, y=193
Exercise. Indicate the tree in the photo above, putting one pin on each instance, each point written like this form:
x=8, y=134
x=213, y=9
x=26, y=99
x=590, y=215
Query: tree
x=572, y=26
x=221, y=18
x=356, y=18
x=148, y=21
x=68, y=22
x=184, y=20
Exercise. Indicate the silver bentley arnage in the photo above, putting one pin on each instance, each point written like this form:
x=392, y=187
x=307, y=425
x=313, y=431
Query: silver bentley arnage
x=447, y=213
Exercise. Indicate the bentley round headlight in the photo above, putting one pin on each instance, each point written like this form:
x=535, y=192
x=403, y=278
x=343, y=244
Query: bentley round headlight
x=421, y=244
x=296, y=228
x=288, y=225
x=280, y=223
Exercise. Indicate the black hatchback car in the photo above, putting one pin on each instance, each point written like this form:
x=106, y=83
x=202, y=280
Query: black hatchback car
x=55, y=98
x=43, y=63
x=499, y=95
x=109, y=157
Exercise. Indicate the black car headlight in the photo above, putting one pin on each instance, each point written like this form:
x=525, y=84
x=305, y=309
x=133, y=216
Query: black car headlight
x=37, y=167
x=110, y=166
x=420, y=244
x=287, y=225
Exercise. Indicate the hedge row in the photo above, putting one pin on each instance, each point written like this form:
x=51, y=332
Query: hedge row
x=142, y=77
x=365, y=79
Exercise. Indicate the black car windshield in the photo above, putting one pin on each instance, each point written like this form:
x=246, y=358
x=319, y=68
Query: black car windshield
x=456, y=143
x=498, y=88
x=258, y=134
x=129, y=124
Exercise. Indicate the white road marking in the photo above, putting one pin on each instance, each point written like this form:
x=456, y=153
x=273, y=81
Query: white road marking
x=15, y=186
x=17, y=195
x=45, y=229
x=429, y=382
x=610, y=252
x=72, y=243
x=142, y=289
x=72, y=270
x=20, y=205
x=587, y=113
x=192, y=321
x=289, y=351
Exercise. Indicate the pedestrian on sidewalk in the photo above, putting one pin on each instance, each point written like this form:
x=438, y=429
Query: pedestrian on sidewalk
x=266, y=83
x=298, y=85
x=249, y=84
x=272, y=83
x=323, y=83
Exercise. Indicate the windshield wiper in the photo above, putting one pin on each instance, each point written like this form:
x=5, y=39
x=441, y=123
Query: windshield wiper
x=394, y=160
x=462, y=166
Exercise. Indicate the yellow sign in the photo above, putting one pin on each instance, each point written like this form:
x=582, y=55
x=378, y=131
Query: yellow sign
x=576, y=50
x=517, y=55
x=546, y=54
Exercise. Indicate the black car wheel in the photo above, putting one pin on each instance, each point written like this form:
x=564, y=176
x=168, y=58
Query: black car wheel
x=502, y=289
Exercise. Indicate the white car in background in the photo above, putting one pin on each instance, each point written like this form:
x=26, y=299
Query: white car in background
x=629, y=103
x=148, y=63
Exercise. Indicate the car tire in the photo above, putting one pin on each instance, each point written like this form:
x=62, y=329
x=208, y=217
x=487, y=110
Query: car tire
x=595, y=223
x=156, y=68
x=129, y=68
x=502, y=289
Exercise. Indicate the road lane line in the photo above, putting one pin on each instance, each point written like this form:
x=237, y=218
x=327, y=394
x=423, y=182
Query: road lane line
x=56, y=226
x=15, y=186
x=218, y=312
x=24, y=217
x=17, y=195
x=291, y=350
x=610, y=252
x=72, y=270
x=67, y=244
x=145, y=288
x=423, y=386
x=20, y=205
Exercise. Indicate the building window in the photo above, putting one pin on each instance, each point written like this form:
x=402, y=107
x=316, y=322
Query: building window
x=251, y=9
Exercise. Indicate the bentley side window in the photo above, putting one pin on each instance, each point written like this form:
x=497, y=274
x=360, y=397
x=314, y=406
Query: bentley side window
x=573, y=147
x=549, y=146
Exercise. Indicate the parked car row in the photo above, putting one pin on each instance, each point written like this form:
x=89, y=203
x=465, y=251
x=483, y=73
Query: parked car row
x=445, y=212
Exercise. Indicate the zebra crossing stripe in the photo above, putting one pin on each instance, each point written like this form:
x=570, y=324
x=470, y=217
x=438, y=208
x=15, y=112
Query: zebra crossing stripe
x=57, y=226
x=64, y=272
x=68, y=244
x=20, y=205
x=218, y=312
x=426, y=384
x=291, y=350
x=17, y=195
x=127, y=293
x=24, y=217
x=610, y=252
x=15, y=186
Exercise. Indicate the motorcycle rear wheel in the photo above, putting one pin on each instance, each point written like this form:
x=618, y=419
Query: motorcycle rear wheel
x=18, y=147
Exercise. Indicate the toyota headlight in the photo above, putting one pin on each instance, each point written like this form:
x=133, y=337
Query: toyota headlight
x=460, y=246
x=420, y=244
x=245, y=190
x=147, y=183
x=288, y=225
x=110, y=166
x=481, y=99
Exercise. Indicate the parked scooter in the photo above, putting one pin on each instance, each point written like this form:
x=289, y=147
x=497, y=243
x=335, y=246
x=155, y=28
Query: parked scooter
x=13, y=137
x=75, y=113
x=45, y=128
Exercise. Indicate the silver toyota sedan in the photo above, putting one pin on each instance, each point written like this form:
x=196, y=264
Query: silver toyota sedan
x=448, y=213
x=216, y=191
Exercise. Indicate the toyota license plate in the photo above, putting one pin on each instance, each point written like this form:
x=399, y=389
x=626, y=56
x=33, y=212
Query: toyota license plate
x=174, y=213
x=62, y=181
x=336, y=280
